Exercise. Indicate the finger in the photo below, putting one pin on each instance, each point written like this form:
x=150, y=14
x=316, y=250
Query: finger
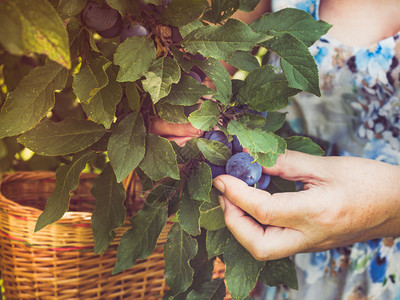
x=163, y=128
x=180, y=140
x=297, y=166
x=280, y=209
x=263, y=244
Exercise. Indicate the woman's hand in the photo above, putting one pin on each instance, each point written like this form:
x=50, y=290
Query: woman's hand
x=345, y=200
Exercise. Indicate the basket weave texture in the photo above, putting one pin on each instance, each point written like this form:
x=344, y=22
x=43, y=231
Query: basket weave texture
x=58, y=261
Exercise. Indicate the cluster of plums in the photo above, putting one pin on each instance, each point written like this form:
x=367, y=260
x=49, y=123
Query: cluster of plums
x=240, y=165
x=108, y=23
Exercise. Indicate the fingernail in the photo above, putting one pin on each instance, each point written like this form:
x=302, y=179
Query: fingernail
x=221, y=202
x=219, y=185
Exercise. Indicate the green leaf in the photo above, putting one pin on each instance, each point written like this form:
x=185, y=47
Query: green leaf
x=188, y=28
x=125, y=6
x=297, y=22
x=297, y=62
x=67, y=180
x=243, y=60
x=182, y=12
x=109, y=212
x=140, y=241
x=162, y=74
x=219, y=76
x=220, y=42
x=92, y=77
x=160, y=159
x=187, y=92
x=275, y=121
x=256, y=141
x=211, y=214
x=223, y=9
x=248, y=5
x=179, y=250
x=200, y=183
x=189, y=214
x=305, y=145
x=189, y=151
x=133, y=96
x=214, y=151
x=126, y=147
x=102, y=106
x=62, y=138
x=210, y=290
x=241, y=269
x=276, y=272
x=71, y=7
x=171, y=113
x=32, y=99
x=216, y=241
x=206, y=117
x=134, y=56
x=34, y=26
x=265, y=90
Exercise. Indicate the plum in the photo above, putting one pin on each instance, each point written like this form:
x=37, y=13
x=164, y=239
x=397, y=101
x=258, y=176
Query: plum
x=242, y=165
x=99, y=18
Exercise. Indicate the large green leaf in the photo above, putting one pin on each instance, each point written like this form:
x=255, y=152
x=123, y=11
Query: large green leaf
x=216, y=241
x=134, y=56
x=297, y=62
x=109, y=212
x=189, y=214
x=32, y=99
x=210, y=290
x=223, y=9
x=102, y=106
x=265, y=90
x=214, y=151
x=211, y=214
x=244, y=60
x=241, y=269
x=281, y=271
x=171, y=113
x=140, y=241
x=125, y=6
x=182, y=12
x=248, y=5
x=297, y=22
x=186, y=92
x=219, y=76
x=304, y=144
x=199, y=182
x=220, y=42
x=256, y=141
x=162, y=74
x=62, y=138
x=206, y=117
x=91, y=78
x=179, y=250
x=160, y=159
x=67, y=180
x=126, y=147
x=34, y=26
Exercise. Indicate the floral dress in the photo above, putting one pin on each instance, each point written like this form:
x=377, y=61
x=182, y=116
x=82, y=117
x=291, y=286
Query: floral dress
x=359, y=113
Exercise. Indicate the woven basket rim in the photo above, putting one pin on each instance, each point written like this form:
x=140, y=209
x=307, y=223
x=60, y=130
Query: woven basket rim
x=21, y=210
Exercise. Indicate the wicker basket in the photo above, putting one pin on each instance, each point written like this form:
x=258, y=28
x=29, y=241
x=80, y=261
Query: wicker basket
x=58, y=261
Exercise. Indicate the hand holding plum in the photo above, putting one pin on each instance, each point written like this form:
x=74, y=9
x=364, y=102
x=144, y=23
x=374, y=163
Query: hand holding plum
x=345, y=200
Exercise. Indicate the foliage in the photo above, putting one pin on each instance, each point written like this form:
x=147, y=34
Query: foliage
x=79, y=98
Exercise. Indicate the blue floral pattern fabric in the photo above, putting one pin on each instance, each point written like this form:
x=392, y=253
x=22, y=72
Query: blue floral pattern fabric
x=359, y=111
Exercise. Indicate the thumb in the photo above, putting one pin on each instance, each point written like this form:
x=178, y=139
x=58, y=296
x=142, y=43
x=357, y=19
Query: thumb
x=280, y=209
